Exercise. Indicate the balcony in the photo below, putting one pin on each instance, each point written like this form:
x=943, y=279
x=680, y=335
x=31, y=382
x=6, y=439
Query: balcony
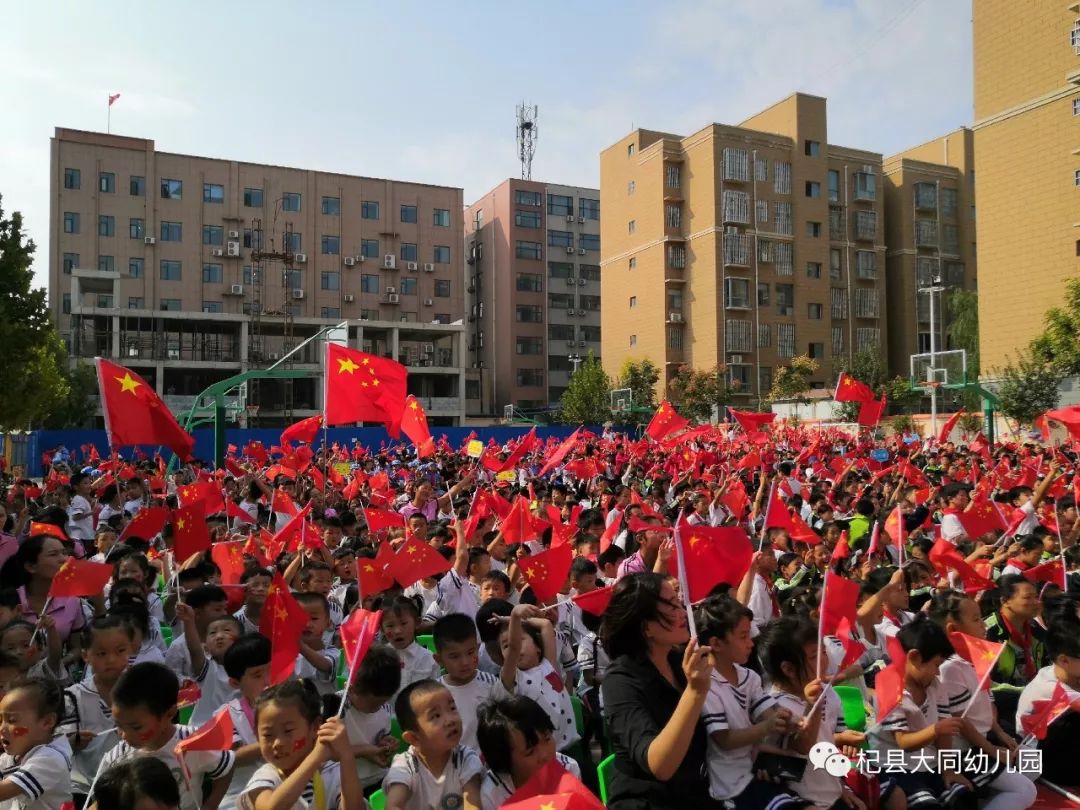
x=865, y=226
x=737, y=249
x=441, y=405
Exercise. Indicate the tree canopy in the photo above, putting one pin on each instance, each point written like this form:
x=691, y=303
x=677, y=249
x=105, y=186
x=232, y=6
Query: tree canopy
x=588, y=397
x=695, y=393
x=1027, y=388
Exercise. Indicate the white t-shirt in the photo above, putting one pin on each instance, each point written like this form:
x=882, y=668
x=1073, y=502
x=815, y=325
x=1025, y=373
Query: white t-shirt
x=1030, y=521
x=417, y=663
x=43, y=774
x=1041, y=687
x=216, y=692
x=212, y=764
x=325, y=682
x=267, y=777
x=483, y=688
x=958, y=684
x=425, y=789
x=85, y=710
x=952, y=529
x=367, y=729
x=817, y=785
x=82, y=529
x=544, y=685
x=177, y=657
x=243, y=734
x=498, y=787
x=428, y=595
x=732, y=705
x=909, y=717
x=591, y=657
x=454, y=595
x=761, y=604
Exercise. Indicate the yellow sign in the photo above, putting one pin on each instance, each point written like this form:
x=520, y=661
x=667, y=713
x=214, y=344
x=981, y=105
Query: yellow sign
x=475, y=448
x=506, y=475
x=342, y=467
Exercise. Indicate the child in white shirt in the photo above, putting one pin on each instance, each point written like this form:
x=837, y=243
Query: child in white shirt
x=207, y=660
x=399, y=622
x=247, y=665
x=457, y=651
x=36, y=763
x=317, y=661
x=368, y=711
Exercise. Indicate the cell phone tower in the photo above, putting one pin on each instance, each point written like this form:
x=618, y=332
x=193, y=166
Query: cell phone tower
x=527, y=134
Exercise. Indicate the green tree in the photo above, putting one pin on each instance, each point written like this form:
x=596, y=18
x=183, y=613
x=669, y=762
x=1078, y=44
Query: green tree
x=34, y=381
x=641, y=377
x=588, y=397
x=695, y=393
x=791, y=382
x=76, y=410
x=1027, y=388
x=1059, y=343
x=962, y=330
x=868, y=366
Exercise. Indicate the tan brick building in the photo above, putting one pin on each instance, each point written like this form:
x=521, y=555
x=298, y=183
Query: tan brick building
x=153, y=261
x=533, y=289
x=930, y=238
x=1027, y=166
x=742, y=246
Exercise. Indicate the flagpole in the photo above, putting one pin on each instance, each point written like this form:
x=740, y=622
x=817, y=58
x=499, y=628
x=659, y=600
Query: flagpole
x=108, y=119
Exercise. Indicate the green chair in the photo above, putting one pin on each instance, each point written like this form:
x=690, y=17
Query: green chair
x=377, y=800
x=185, y=715
x=579, y=714
x=395, y=732
x=427, y=641
x=852, y=706
x=603, y=774
x=166, y=633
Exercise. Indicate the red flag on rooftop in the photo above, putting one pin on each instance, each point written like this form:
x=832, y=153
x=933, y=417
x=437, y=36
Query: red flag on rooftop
x=135, y=414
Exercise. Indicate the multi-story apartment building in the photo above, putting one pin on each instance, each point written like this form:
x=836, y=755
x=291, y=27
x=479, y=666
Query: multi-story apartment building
x=930, y=239
x=533, y=276
x=1027, y=166
x=192, y=269
x=742, y=246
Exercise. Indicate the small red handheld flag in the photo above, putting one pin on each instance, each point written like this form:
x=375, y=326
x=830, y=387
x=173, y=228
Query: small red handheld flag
x=416, y=560
x=283, y=622
x=303, y=431
x=358, y=632
x=546, y=572
x=594, y=601
x=146, y=524
x=214, y=735
x=665, y=422
x=80, y=578
x=190, y=534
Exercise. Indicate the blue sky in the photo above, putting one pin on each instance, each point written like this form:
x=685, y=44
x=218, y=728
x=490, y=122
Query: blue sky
x=427, y=91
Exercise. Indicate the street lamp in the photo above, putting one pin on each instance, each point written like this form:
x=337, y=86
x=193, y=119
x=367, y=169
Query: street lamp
x=936, y=286
x=577, y=360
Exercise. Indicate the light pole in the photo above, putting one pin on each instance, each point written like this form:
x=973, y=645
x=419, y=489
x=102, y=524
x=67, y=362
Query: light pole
x=935, y=287
x=577, y=360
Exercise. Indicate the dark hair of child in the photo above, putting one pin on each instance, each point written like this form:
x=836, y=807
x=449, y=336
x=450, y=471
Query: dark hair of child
x=255, y=571
x=306, y=598
x=800, y=602
x=125, y=783
x=351, y=598
x=1062, y=639
x=612, y=556
x=301, y=693
x=205, y=595
x=100, y=624
x=498, y=720
x=341, y=552
x=309, y=569
x=927, y=638
x=501, y=578
x=403, y=606
x=453, y=628
x=491, y=608
x=148, y=684
x=403, y=706
x=48, y=698
x=718, y=616
x=12, y=625
x=784, y=642
x=9, y=598
x=248, y=651
x=878, y=579
x=379, y=673
x=191, y=578
x=476, y=554
x=582, y=567
x=945, y=606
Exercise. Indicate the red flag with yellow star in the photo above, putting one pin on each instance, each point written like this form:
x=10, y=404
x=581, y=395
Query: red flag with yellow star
x=363, y=387
x=552, y=787
x=978, y=652
x=190, y=534
x=358, y=632
x=80, y=578
x=283, y=622
x=372, y=575
x=414, y=425
x=135, y=414
x=546, y=572
x=146, y=524
x=416, y=560
x=665, y=422
x=714, y=554
x=848, y=389
x=229, y=557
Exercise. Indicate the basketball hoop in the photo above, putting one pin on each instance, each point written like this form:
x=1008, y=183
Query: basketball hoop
x=930, y=384
x=252, y=410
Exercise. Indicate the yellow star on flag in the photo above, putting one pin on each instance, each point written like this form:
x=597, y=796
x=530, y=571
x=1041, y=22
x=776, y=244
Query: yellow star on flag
x=414, y=404
x=363, y=385
x=547, y=806
x=127, y=383
x=281, y=614
x=365, y=361
x=374, y=382
x=346, y=364
x=180, y=524
x=369, y=568
x=411, y=550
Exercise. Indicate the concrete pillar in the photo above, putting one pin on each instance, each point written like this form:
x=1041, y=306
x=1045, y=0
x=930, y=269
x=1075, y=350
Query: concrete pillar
x=459, y=361
x=115, y=343
x=244, y=338
x=394, y=343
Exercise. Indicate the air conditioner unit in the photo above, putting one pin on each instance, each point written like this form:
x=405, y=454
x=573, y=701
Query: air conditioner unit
x=234, y=234
x=273, y=356
x=570, y=342
x=569, y=217
x=570, y=281
x=149, y=240
x=350, y=261
x=479, y=363
x=581, y=344
x=217, y=252
x=735, y=359
x=389, y=261
x=133, y=351
x=429, y=267
x=298, y=294
x=360, y=259
x=412, y=267
x=428, y=302
x=174, y=354
x=581, y=252
x=391, y=289
x=300, y=258
x=569, y=248
x=571, y=312
x=675, y=317
x=581, y=282
x=392, y=298
x=429, y=348
x=581, y=220
x=348, y=298
x=236, y=289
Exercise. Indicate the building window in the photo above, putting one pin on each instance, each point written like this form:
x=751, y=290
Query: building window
x=171, y=231
x=527, y=198
x=135, y=267
x=331, y=206
x=589, y=209
x=106, y=225
x=330, y=312
x=816, y=351
x=560, y=239
x=136, y=228
x=172, y=189
x=590, y=302
x=246, y=274
x=589, y=272
x=136, y=303
x=813, y=189
x=811, y=148
x=253, y=198
x=674, y=299
x=782, y=177
x=170, y=270
x=369, y=209
x=213, y=193
x=1076, y=178
x=839, y=306
x=736, y=293
x=294, y=242
x=1074, y=35
x=865, y=186
x=369, y=284
x=949, y=202
x=442, y=288
x=631, y=187
x=785, y=299
x=408, y=252
x=813, y=269
x=674, y=338
x=633, y=263
x=530, y=377
x=865, y=225
x=441, y=218
x=212, y=306
x=71, y=262
x=407, y=286
x=107, y=182
x=65, y=306
x=560, y=270
x=736, y=164
x=834, y=262
x=530, y=282
x=529, y=345
x=330, y=280
x=560, y=331
x=529, y=314
x=106, y=264
x=763, y=294
x=589, y=241
x=633, y=301
x=330, y=245
x=290, y=201
x=213, y=235
x=212, y=273
x=252, y=238
x=813, y=229
x=560, y=205
x=527, y=250
x=170, y=304
x=834, y=185
x=631, y=226
x=782, y=218
x=560, y=301
x=408, y=213
x=926, y=196
x=1076, y=106
x=441, y=254
x=72, y=179
x=633, y=340
x=785, y=339
x=525, y=219
x=761, y=212
x=814, y=311
x=137, y=186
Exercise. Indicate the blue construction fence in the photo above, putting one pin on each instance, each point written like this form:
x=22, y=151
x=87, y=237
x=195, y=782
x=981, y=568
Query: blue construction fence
x=27, y=449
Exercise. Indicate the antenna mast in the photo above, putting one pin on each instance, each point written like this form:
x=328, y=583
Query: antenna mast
x=527, y=134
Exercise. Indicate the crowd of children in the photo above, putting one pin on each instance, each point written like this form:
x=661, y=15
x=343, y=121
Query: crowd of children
x=476, y=683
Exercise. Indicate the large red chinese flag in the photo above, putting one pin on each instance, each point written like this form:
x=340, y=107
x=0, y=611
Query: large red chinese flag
x=363, y=387
x=944, y=556
x=229, y=557
x=283, y=622
x=80, y=578
x=135, y=414
x=848, y=389
x=870, y=413
x=414, y=425
x=190, y=534
x=372, y=574
x=950, y=423
x=416, y=560
x=665, y=422
x=714, y=554
x=303, y=431
x=382, y=519
x=776, y=513
x=528, y=443
x=751, y=421
x=546, y=572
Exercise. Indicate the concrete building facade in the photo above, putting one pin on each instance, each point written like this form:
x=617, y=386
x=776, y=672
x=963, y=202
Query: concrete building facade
x=742, y=246
x=533, y=282
x=1027, y=166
